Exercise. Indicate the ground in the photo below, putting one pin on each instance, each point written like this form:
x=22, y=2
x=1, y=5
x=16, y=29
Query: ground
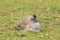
x=47, y=11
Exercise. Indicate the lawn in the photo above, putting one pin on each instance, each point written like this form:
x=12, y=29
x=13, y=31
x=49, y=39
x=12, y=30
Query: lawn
x=47, y=11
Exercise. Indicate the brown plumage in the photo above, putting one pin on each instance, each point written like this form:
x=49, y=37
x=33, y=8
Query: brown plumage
x=26, y=22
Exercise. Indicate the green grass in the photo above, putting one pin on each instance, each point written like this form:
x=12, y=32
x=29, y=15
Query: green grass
x=47, y=11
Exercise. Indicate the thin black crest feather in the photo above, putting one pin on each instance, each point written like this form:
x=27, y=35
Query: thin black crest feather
x=34, y=16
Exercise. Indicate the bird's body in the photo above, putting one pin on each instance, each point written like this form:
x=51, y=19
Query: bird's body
x=30, y=23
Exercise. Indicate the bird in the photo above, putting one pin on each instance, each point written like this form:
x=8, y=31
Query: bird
x=30, y=23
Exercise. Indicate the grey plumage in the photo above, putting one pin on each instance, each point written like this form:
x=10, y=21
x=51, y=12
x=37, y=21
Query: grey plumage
x=36, y=27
